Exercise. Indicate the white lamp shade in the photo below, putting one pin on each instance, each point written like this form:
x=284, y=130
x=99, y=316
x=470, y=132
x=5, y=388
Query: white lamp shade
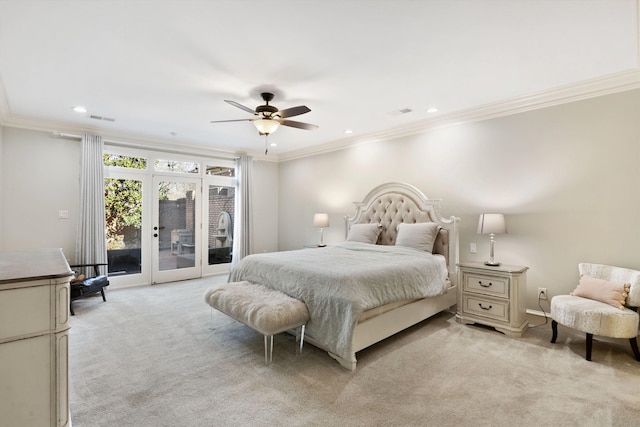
x=492, y=224
x=321, y=220
x=266, y=126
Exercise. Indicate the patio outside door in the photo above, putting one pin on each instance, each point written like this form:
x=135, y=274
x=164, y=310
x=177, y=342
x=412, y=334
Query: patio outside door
x=176, y=228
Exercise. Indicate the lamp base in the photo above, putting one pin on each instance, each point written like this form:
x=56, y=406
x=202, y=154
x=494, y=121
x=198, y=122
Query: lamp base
x=321, y=245
x=492, y=263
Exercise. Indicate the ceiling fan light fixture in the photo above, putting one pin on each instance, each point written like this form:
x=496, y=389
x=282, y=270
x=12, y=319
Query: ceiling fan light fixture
x=266, y=126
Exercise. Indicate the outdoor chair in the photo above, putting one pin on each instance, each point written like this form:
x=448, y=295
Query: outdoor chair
x=87, y=286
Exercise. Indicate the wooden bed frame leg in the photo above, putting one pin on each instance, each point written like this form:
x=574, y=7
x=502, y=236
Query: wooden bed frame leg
x=350, y=365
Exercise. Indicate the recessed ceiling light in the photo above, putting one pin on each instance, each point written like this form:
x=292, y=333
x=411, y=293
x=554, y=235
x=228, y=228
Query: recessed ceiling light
x=348, y=131
x=432, y=110
x=79, y=109
x=273, y=144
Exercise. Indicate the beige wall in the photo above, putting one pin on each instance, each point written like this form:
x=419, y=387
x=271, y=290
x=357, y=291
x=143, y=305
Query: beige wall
x=40, y=178
x=265, y=206
x=566, y=177
x=1, y=190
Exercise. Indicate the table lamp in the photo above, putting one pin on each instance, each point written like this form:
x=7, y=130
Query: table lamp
x=492, y=224
x=321, y=220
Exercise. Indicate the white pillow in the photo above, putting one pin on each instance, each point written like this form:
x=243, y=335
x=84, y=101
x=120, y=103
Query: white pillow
x=364, y=233
x=421, y=235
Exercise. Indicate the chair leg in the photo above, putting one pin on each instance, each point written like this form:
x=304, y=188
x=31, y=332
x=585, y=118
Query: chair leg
x=554, y=328
x=103, y=297
x=589, y=346
x=634, y=347
x=71, y=308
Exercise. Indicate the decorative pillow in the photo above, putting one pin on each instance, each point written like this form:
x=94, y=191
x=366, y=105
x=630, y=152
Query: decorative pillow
x=614, y=294
x=364, y=233
x=421, y=235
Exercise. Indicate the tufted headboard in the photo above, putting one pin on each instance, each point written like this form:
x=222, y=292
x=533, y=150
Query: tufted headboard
x=393, y=203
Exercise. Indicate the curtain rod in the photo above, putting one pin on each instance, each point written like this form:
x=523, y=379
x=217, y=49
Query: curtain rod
x=138, y=146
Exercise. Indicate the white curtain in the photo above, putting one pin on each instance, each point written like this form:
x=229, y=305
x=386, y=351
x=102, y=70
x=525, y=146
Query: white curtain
x=91, y=241
x=243, y=229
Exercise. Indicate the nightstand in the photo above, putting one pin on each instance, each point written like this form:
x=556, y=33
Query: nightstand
x=493, y=296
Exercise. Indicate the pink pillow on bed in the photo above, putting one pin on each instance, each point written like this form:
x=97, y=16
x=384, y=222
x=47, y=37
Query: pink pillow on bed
x=614, y=294
x=421, y=235
x=364, y=233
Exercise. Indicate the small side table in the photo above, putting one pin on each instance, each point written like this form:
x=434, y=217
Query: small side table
x=493, y=296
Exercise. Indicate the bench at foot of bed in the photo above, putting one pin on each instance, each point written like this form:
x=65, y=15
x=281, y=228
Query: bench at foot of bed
x=265, y=310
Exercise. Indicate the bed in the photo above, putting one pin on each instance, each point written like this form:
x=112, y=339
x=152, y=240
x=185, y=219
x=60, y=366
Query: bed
x=368, y=288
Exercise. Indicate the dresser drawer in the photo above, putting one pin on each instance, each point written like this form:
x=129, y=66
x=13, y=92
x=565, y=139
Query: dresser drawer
x=486, y=307
x=487, y=285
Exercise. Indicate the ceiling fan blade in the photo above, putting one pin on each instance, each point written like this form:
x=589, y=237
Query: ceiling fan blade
x=294, y=111
x=298, y=125
x=235, y=120
x=240, y=106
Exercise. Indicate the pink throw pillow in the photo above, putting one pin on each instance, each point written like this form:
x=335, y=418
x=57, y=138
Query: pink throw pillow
x=614, y=294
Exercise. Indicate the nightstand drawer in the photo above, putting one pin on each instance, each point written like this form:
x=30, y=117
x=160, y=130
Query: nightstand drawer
x=493, y=309
x=487, y=285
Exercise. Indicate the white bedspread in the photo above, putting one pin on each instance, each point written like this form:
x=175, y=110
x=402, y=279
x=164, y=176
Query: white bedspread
x=339, y=282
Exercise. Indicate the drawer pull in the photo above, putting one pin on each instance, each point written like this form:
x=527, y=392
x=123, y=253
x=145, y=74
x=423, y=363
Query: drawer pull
x=483, y=285
x=485, y=308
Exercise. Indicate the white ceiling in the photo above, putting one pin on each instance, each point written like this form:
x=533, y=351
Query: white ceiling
x=162, y=69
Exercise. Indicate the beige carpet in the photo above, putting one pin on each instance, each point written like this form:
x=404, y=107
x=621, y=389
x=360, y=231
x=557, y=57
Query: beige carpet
x=159, y=356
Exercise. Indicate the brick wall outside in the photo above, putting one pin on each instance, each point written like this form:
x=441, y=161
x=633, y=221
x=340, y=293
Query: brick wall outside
x=180, y=214
x=221, y=199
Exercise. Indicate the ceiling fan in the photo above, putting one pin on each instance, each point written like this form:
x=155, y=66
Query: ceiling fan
x=269, y=118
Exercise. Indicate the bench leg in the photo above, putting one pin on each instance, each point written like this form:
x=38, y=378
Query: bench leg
x=301, y=337
x=268, y=349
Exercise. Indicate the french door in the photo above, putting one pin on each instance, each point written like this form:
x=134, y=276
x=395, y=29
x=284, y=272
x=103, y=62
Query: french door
x=168, y=218
x=176, y=244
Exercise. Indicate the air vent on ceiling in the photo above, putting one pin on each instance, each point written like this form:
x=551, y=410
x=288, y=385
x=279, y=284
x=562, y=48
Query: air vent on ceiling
x=401, y=112
x=106, y=119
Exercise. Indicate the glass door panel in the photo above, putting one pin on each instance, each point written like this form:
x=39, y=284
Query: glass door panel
x=123, y=208
x=221, y=215
x=176, y=230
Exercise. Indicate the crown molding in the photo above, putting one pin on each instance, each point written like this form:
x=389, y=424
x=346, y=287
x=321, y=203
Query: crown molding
x=123, y=139
x=610, y=84
x=606, y=85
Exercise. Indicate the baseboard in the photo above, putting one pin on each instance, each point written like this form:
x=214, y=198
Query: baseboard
x=538, y=318
x=536, y=313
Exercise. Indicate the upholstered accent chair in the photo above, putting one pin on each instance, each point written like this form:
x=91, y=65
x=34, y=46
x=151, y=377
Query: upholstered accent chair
x=608, y=305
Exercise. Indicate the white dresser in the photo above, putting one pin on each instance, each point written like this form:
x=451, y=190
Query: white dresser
x=493, y=296
x=34, y=325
